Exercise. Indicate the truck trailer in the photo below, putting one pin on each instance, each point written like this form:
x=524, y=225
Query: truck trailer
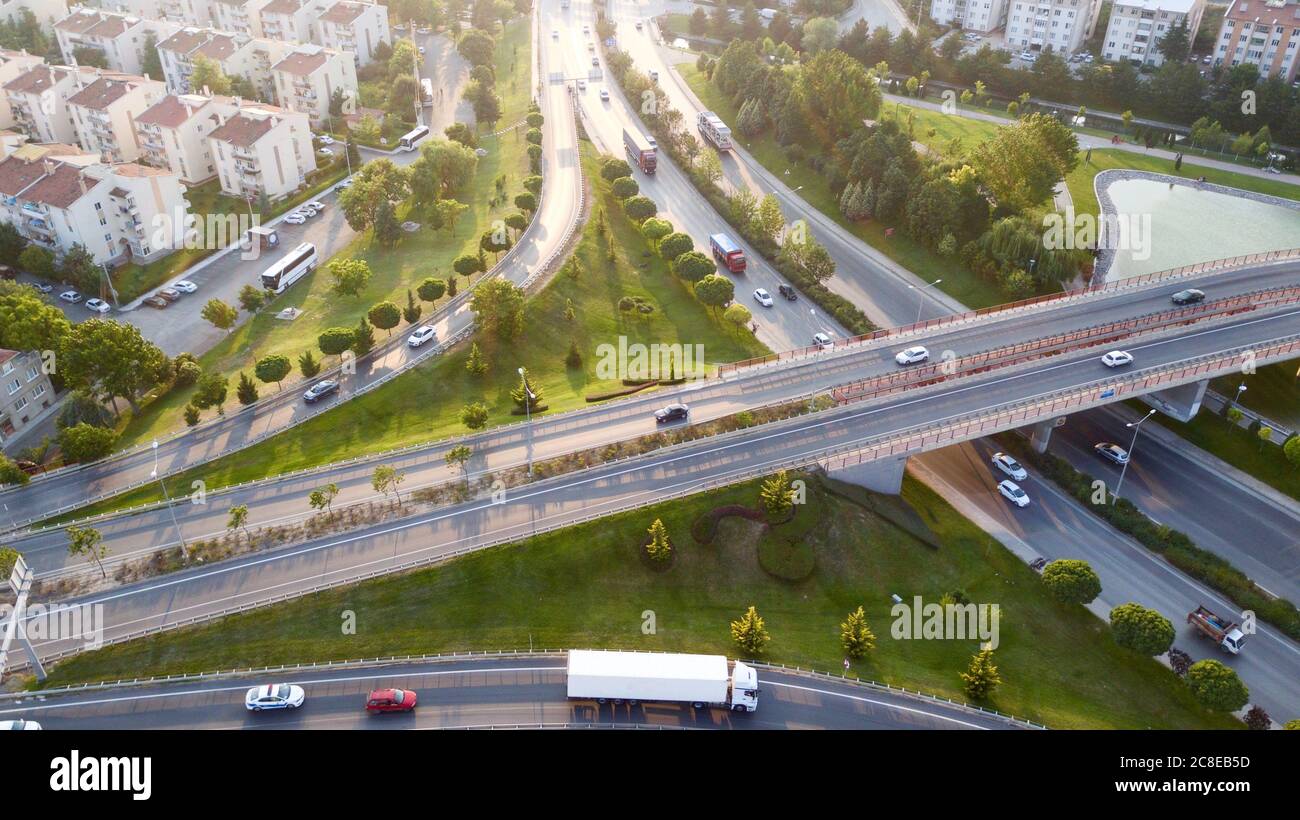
x=714, y=130
x=727, y=253
x=1220, y=630
x=639, y=151
x=700, y=680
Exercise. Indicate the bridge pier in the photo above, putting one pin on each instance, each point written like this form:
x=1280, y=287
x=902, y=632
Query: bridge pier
x=1182, y=402
x=884, y=476
x=1040, y=434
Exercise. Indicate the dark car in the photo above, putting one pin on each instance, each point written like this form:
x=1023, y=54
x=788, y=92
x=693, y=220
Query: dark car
x=7, y=272
x=1111, y=452
x=320, y=390
x=672, y=412
x=157, y=302
x=1188, y=297
x=788, y=292
x=391, y=700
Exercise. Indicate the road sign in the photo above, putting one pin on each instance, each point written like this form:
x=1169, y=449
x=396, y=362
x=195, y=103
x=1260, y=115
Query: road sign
x=18, y=575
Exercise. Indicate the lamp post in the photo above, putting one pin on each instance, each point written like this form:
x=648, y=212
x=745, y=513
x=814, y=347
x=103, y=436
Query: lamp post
x=1241, y=388
x=528, y=418
x=166, y=496
x=1124, y=469
x=920, y=296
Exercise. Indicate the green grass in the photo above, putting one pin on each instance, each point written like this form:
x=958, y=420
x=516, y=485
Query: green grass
x=427, y=253
x=1058, y=663
x=1273, y=391
x=425, y=402
x=958, y=282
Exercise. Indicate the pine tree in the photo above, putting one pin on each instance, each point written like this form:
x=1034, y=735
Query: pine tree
x=847, y=198
x=364, y=341
x=857, y=637
x=868, y=206
x=413, y=309
x=246, y=392
x=776, y=495
x=982, y=676
x=532, y=394
x=749, y=633
x=659, y=549
x=475, y=364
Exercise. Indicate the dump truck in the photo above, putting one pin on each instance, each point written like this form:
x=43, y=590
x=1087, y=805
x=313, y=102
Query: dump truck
x=727, y=253
x=1222, y=631
x=637, y=677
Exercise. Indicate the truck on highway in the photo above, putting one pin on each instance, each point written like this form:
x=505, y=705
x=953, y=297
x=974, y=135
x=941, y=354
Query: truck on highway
x=639, y=151
x=700, y=680
x=727, y=253
x=1220, y=630
x=714, y=130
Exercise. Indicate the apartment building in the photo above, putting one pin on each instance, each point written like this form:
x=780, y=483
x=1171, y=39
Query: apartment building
x=1137, y=26
x=263, y=151
x=173, y=133
x=239, y=16
x=361, y=27
x=46, y=12
x=233, y=53
x=104, y=113
x=38, y=101
x=12, y=64
x=25, y=391
x=119, y=213
x=1062, y=25
x=11, y=141
x=289, y=21
x=307, y=78
x=982, y=16
x=121, y=39
x=1264, y=33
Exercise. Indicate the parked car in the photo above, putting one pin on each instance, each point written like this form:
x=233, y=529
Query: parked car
x=70, y=296
x=326, y=139
x=604, y=95
x=320, y=390
x=185, y=286
x=654, y=75
x=295, y=218
x=1111, y=452
x=19, y=726
x=274, y=696
x=1011, y=491
x=43, y=287
x=329, y=152
x=7, y=272
x=170, y=294
x=638, y=25
x=913, y=355
x=788, y=292
x=595, y=61
x=763, y=297
x=582, y=85
x=98, y=305
x=156, y=302
x=391, y=700
x=420, y=336
x=315, y=205
x=823, y=341
x=421, y=51
x=672, y=412
x=1010, y=466
x=1117, y=358
x=1188, y=297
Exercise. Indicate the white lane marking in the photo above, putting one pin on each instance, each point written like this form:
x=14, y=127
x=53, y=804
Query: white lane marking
x=874, y=702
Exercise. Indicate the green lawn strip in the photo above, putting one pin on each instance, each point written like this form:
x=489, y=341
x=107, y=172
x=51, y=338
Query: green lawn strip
x=1058, y=663
x=425, y=402
x=1273, y=391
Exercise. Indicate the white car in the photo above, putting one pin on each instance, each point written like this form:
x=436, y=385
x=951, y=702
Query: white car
x=913, y=355
x=1117, y=358
x=19, y=726
x=98, y=305
x=422, y=51
x=654, y=75
x=595, y=61
x=274, y=696
x=315, y=205
x=329, y=152
x=295, y=218
x=420, y=336
x=1010, y=466
x=70, y=296
x=185, y=286
x=822, y=340
x=763, y=298
x=1011, y=491
x=326, y=139
x=604, y=97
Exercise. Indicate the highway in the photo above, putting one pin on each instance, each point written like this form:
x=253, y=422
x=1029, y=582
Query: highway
x=505, y=692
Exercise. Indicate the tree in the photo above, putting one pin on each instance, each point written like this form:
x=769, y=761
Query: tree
x=388, y=228
x=1291, y=449
x=273, y=368
x=377, y=182
x=499, y=306
x=1216, y=686
x=495, y=241
x=211, y=391
x=363, y=338
x=251, y=298
x=674, y=245
x=769, y=221
x=444, y=168
x=655, y=229
x=738, y=315
x=528, y=395
x=79, y=267
x=659, y=548
x=1071, y=581
x=694, y=267
x=245, y=390
x=1265, y=435
x=27, y=322
x=640, y=208
x=777, y=495
x=335, y=341
x=8, y=558
x=458, y=458
x=1140, y=629
x=475, y=364
x=413, y=310
x=88, y=543
x=191, y=415
x=151, y=64
x=715, y=291
x=750, y=633
x=709, y=165
x=614, y=168
x=1179, y=661
x=350, y=276
x=981, y=677
x=699, y=22
x=467, y=264
x=10, y=473
x=386, y=479
x=82, y=442
x=220, y=314
x=110, y=359
x=1257, y=719
x=1176, y=43
x=208, y=78
x=462, y=133
x=474, y=415
x=237, y=519
x=322, y=498
x=431, y=289
x=477, y=47
x=37, y=261
x=307, y=365
x=385, y=316
x=820, y=34
x=855, y=635
x=624, y=187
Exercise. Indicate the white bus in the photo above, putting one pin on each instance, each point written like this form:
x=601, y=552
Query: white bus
x=426, y=90
x=408, y=140
x=292, y=267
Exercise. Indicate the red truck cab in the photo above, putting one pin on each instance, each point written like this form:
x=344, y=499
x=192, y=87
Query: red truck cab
x=727, y=253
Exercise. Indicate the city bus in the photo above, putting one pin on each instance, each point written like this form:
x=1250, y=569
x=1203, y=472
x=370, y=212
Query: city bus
x=409, y=139
x=426, y=90
x=292, y=267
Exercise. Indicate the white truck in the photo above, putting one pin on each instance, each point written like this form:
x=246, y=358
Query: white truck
x=714, y=130
x=1218, y=629
x=700, y=680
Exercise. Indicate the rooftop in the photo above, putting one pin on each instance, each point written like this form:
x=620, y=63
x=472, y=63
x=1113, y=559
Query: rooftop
x=244, y=131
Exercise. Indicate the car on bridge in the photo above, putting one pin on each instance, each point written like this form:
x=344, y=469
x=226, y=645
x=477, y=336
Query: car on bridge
x=1117, y=358
x=320, y=390
x=420, y=336
x=823, y=341
x=1010, y=466
x=672, y=412
x=274, y=696
x=19, y=726
x=1188, y=297
x=1011, y=491
x=913, y=355
x=391, y=700
x=763, y=297
x=1111, y=452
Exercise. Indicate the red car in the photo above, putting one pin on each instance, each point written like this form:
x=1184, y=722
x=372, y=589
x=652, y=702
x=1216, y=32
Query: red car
x=391, y=700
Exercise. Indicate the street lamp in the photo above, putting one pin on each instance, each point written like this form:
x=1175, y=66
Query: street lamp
x=528, y=418
x=1124, y=469
x=1240, y=389
x=166, y=496
x=920, y=296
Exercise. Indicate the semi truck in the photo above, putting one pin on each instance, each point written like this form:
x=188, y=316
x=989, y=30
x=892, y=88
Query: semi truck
x=727, y=253
x=1220, y=630
x=639, y=151
x=714, y=130
x=632, y=677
